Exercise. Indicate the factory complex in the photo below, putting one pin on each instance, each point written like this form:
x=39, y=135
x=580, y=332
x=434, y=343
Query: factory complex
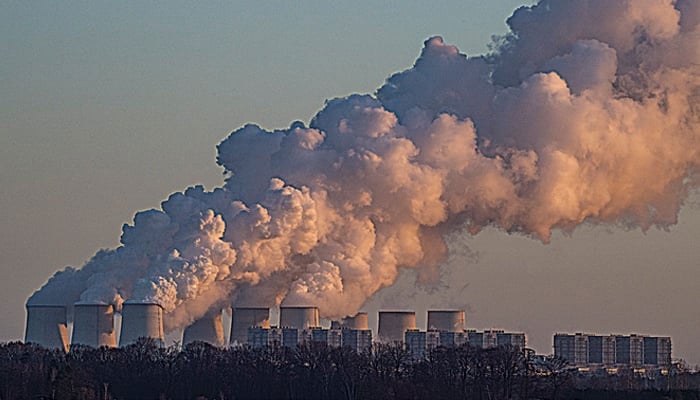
x=94, y=325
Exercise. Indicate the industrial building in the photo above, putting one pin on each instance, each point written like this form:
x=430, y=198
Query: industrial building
x=243, y=318
x=208, y=329
x=299, y=317
x=446, y=328
x=595, y=351
x=47, y=326
x=394, y=324
x=141, y=320
x=357, y=339
x=493, y=338
x=93, y=325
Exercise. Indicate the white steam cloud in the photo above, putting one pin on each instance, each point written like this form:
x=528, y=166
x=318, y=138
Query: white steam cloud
x=588, y=111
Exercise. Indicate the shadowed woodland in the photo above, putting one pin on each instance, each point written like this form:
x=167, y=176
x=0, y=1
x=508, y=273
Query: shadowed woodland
x=311, y=371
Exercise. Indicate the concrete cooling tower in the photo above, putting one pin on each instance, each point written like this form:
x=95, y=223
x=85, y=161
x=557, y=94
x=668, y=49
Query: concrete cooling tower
x=209, y=329
x=243, y=318
x=446, y=320
x=299, y=317
x=359, y=322
x=393, y=325
x=93, y=325
x=47, y=327
x=141, y=320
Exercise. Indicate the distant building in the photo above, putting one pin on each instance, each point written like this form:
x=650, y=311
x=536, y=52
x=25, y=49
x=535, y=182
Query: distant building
x=415, y=341
x=358, y=340
x=494, y=338
x=419, y=343
x=452, y=339
x=596, y=351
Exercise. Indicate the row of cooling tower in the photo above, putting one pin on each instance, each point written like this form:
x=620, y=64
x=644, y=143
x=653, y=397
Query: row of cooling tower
x=93, y=324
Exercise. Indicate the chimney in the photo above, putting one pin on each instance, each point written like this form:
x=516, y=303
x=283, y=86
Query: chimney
x=141, y=320
x=93, y=325
x=47, y=327
x=243, y=318
x=394, y=324
x=446, y=320
x=209, y=329
x=299, y=317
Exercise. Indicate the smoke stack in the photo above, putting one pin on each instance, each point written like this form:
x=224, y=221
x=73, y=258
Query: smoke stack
x=93, y=325
x=243, y=318
x=209, y=329
x=446, y=320
x=141, y=320
x=393, y=325
x=359, y=322
x=46, y=326
x=299, y=317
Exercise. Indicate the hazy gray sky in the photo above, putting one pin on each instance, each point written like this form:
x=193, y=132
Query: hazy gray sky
x=107, y=108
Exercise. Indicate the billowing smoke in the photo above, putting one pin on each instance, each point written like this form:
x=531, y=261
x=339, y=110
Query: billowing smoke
x=587, y=111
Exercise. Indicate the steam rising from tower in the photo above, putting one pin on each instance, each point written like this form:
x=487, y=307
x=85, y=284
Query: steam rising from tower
x=588, y=111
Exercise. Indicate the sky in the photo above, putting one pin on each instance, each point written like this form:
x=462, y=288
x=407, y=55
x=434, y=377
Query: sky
x=107, y=108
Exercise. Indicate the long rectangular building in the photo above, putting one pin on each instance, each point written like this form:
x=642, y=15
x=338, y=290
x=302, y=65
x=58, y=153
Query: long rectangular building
x=357, y=339
x=596, y=351
x=494, y=338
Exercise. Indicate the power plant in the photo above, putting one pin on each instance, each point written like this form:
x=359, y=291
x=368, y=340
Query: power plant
x=446, y=320
x=141, y=320
x=46, y=326
x=209, y=329
x=93, y=325
x=299, y=317
x=243, y=318
x=394, y=324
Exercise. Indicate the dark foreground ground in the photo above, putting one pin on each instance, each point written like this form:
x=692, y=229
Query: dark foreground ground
x=313, y=371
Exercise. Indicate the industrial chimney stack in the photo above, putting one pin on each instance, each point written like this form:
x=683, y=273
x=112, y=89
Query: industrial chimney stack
x=141, y=320
x=243, y=318
x=209, y=329
x=47, y=327
x=394, y=324
x=93, y=325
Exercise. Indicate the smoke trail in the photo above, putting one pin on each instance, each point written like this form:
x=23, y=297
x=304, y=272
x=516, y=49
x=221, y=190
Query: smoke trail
x=588, y=111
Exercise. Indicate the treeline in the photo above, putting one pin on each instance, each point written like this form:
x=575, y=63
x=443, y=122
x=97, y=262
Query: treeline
x=311, y=371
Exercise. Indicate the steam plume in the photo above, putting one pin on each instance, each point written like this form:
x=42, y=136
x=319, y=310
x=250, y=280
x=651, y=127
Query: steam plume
x=587, y=111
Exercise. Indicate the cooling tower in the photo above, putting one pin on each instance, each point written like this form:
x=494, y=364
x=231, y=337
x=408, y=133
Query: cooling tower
x=93, y=325
x=446, y=320
x=299, y=317
x=243, y=318
x=359, y=322
x=141, y=320
x=393, y=325
x=46, y=326
x=209, y=329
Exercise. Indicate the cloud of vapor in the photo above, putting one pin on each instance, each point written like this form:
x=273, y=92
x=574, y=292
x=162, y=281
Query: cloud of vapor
x=587, y=111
